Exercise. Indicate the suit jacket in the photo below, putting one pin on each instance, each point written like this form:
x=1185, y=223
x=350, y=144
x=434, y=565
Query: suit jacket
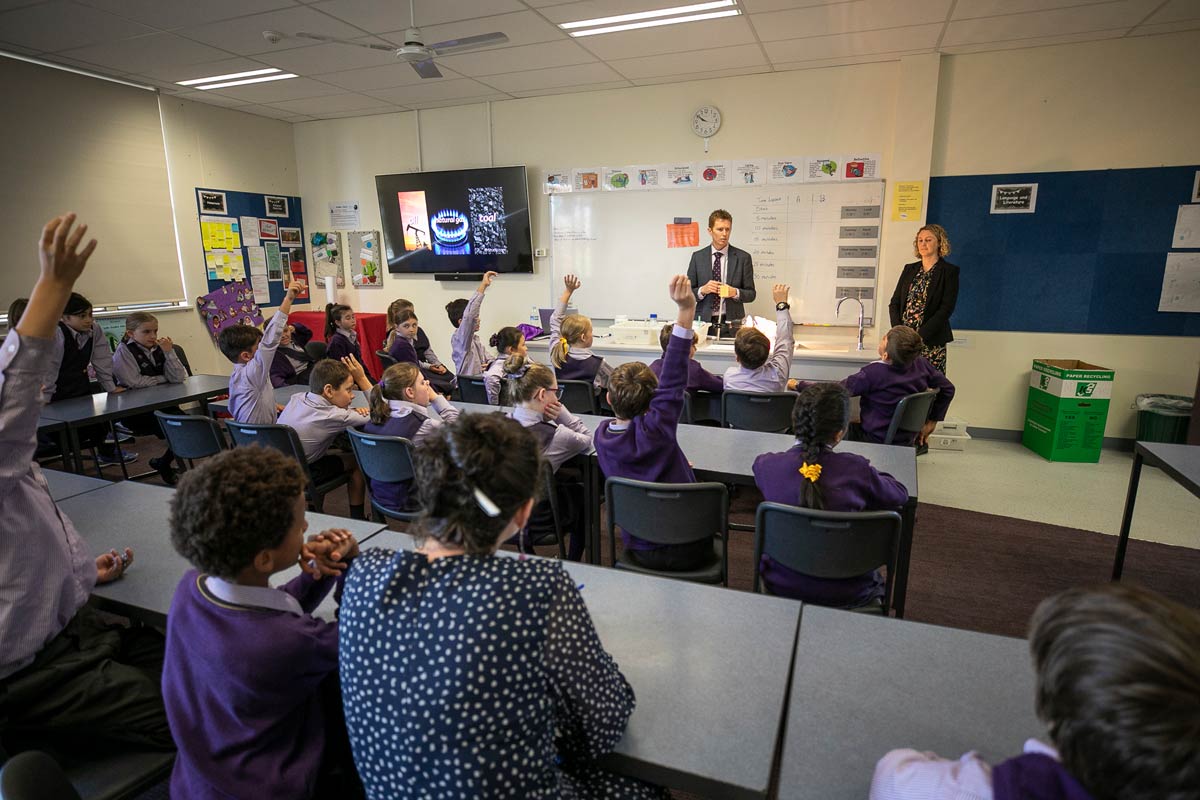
x=737, y=271
x=939, y=301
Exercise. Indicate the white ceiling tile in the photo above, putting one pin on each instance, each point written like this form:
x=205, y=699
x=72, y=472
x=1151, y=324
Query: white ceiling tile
x=366, y=112
x=1100, y=17
x=390, y=15
x=244, y=36
x=670, y=38
x=860, y=15
x=432, y=90
x=61, y=25
x=545, y=3
x=762, y=6
x=546, y=55
x=464, y=101
x=1165, y=27
x=57, y=58
x=168, y=14
x=268, y=111
x=591, y=87
x=1035, y=41
x=550, y=78
x=326, y=58
x=525, y=27
x=594, y=9
x=1176, y=11
x=279, y=91
x=212, y=98
x=847, y=61
x=702, y=76
x=317, y=106
x=187, y=72
x=918, y=37
x=718, y=58
x=147, y=52
x=972, y=9
x=397, y=73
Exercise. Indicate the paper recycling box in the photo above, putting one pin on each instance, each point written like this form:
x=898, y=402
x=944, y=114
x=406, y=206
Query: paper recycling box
x=1066, y=409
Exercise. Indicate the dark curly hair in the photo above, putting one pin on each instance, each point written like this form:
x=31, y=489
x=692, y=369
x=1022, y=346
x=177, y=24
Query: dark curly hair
x=490, y=453
x=822, y=411
x=233, y=506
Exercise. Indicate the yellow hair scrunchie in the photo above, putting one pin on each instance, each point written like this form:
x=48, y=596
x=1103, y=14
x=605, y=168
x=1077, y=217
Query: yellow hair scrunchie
x=810, y=471
x=566, y=345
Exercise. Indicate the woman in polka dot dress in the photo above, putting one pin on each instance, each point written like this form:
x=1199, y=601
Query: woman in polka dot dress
x=467, y=675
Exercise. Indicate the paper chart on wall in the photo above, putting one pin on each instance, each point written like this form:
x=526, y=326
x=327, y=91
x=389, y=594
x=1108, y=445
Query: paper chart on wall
x=585, y=179
x=860, y=167
x=219, y=233
x=1181, y=283
x=258, y=260
x=262, y=291
x=365, y=264
x=714, y=173
x=679, y=176
x=326, y=258
x=786, y=170
x=647, y=176
x=822, y=168
x=274, y=265
x=749, y=173
x=249, y=226
x=1187, y=227
x=617, y=179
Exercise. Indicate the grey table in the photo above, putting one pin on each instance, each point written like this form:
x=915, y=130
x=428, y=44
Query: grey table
x=865, y=685
x=107, y=407
x=68, y=484
x=710, y=669
x=1180, y=461
x=131, y=514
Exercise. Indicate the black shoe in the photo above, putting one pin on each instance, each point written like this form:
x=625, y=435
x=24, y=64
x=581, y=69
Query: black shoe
x=165, y=471
x=922, y=449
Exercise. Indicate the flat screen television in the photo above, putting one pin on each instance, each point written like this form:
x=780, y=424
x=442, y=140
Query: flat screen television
x=456, y=223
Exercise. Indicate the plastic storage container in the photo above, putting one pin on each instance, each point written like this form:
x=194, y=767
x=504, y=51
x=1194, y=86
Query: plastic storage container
x=1163, y=418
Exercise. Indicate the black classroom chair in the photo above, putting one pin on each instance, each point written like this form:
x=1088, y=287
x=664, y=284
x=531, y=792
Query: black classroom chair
x=770, y=412
x=579, y=397
x=315, y=350
x=385, y=359
x=191, y=436
x=105, y=774
x=285, y=440
x=387, y=459
x=472, y=389
x=910, y=416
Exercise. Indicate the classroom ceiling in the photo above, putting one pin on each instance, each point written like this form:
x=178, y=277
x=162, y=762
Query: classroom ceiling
x=158, y=42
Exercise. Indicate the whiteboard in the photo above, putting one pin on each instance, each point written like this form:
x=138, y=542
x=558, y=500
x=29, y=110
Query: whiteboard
x=820, y=238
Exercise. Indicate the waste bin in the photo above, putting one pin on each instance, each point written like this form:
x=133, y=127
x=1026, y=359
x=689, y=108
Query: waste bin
x=1163, y=418
x=1066, y=409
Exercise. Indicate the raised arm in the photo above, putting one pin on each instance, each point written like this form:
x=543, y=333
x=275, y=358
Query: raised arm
x=667, y=400
x=570, y=285
x=781, y=353
x=264, y=356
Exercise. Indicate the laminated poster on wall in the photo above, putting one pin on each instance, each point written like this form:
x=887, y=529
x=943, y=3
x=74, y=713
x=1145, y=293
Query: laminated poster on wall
x=290, y=237
x=585, y=179
x=275, y=206
x=714, y=174
x=786, y=170
x=326, y=257
x=822, y=168
x=274, y=262
x=249, y=230
x=647, y=176
x=679, y=176
x=232, y=304
x=1187, y=227
x=298, y=271
x=749, y=172
x=1196, y=188
x=1181, y=283
x=617, y=179
x=860, y=167
x=268, y=229
x=557, y=182
x=344, y=214
x=366, y=271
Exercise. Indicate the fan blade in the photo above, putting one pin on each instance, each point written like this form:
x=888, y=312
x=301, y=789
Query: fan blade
x=468, y=43
x=334, y=40
x=426, y=68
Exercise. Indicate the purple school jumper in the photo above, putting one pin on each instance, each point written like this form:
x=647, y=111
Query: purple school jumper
x=582, y=369
x=341, y=345
x=240, y=688
x=646, y=449
x=291, y=365
x=699, y=379
x=848, y=483
x=394, y=495
x=881, y=386
x=1035, y=776
x=402, y=351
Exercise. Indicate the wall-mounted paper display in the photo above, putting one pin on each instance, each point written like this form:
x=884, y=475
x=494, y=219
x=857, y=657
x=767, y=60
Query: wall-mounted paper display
x=557, y=182
x=907, y=199
x=275, y=206
x=1016, y=198
x=617, y=179
x=647, y=176
x=1181, y=283
x=860, y=167
x=211, y=202
x=365, y=263
x=749, y=173
x=586, y=179
x=822, y=168
x=344, y=214
x=326, y=257
x=290, y=237
x=679, y=176
x=786, y=170
x=714, y=173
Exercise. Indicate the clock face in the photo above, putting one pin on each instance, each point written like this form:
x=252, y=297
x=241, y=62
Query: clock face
x=706, y=121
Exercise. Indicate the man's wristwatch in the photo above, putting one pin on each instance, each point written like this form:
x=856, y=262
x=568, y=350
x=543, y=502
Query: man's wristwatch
x=782, y=306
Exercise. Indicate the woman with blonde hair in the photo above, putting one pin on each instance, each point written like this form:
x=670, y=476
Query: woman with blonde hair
x=926, y=293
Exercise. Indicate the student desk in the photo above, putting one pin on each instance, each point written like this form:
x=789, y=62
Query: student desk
x=1180, y=461
x=727, y=455
x=68, y=484
x=865, y=685
x=136, y=515
x=59, y=429
x=710, y=670
x=105, y=407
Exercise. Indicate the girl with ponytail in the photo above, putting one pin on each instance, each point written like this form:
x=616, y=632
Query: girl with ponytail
x=571, y=342
x=508, y=342
x=813, y=475
x=403, y=325
x=341, y=335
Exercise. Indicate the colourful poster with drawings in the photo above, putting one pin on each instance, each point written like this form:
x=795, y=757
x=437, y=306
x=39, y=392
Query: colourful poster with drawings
x=365, y=263
x=326, y=257
x=232, y=304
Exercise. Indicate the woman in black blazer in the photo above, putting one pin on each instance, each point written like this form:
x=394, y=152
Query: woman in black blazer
x=926, y=293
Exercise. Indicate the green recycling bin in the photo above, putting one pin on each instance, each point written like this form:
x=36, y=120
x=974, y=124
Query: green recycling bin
x=1163, y=418
x=1066, y=409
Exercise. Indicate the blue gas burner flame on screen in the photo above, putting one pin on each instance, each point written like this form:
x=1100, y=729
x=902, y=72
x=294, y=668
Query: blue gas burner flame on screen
x=450, y=230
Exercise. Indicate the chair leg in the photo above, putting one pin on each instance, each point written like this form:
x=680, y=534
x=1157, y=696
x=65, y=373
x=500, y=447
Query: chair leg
x=120, y=452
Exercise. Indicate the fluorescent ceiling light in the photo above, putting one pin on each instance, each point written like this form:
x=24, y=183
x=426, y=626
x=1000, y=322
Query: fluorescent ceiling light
x=228, y=77
x=284, y=76
x=653, y=23
x=662, y=12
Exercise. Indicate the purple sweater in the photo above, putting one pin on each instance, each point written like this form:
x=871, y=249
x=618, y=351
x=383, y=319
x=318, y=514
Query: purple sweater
x=402, y=351
x=848, y=483
x=1035, y=776
x=339, y=346
x=646, y=450
x=240, y=688
x=882, y=386
x=699, y=379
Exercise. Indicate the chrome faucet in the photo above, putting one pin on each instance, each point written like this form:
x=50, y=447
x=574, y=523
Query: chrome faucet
x=860, y=316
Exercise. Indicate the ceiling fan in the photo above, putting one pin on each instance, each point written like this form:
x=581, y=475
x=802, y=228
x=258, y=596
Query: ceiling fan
x=414, y=50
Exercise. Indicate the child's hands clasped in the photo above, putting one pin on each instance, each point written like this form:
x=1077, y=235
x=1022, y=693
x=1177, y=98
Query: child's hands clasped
x=112, y=565
x=327, y=552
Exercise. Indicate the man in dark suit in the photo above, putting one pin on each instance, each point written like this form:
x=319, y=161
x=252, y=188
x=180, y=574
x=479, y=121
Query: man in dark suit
x=722, y=275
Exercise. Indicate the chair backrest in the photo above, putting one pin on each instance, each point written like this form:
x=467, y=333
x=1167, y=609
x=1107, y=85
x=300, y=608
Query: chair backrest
x=382, y=458
x=183, y=359
x=667, y=513
x=472, y=389
x=33, y=775
x=579, y=397
x=827, y=544
x=190, y=435
x=770, y=412
x=315, y=350
x=548, y=490
x=385, y=359
x=280, y=437
x=910, y=415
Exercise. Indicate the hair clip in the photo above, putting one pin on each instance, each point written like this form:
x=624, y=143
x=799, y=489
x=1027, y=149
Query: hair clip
x=485, y=503
x=516, y=376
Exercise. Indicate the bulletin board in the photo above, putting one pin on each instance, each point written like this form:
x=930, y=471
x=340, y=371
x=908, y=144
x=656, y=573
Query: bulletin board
x=1090, y=259
x=236, y=249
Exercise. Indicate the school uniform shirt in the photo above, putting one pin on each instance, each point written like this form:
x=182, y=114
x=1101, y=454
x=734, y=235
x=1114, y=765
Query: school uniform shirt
x=772, y=376
x=136, y=367
x=402, y=351
x=89, y=348
x=345, y=343
x=478, y=676
x=699, y=379
x=240, y=685
x=318, y=422
x=645, y=448
x=466, y=348
x=1036, y=774
x=291, y=365
x=581, y=364
x=493, y=380
x=251, y=393
x=46, y=571
x=848, y=483
x=566, y=437
x=881, y=386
